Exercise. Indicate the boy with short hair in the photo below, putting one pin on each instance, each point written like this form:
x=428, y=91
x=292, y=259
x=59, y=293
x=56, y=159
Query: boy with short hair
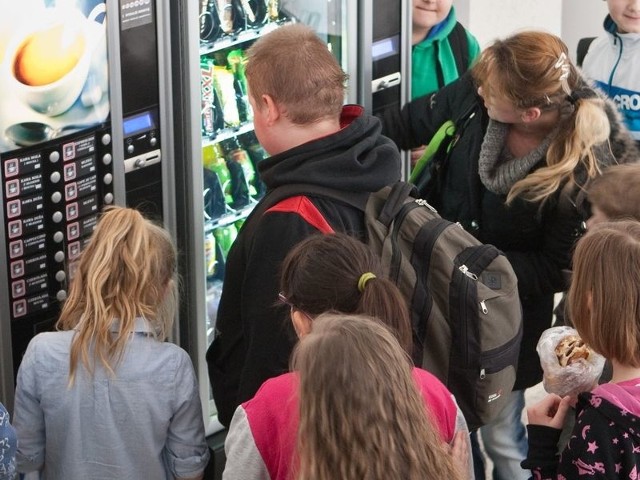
x=613, y=60
x=442, y=48
x=296, y=89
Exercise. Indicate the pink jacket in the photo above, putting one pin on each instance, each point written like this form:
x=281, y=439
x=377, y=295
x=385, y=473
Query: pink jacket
x=261, y=441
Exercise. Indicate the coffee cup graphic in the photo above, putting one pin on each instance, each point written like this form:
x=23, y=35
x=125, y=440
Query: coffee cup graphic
x=48, y=60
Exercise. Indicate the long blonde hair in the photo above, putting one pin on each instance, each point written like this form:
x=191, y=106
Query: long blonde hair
x=533, y=69
x=126, y=271
x=361, y=414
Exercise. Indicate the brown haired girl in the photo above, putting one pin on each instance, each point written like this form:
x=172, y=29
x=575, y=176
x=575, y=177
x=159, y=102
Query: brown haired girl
x=604, y=301
x=337, y=273
x=361, y=415
x=532, y=132
x=106, y=397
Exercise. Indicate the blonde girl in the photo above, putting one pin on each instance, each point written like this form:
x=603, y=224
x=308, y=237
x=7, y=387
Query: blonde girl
x=105, y=396
x=531, y=132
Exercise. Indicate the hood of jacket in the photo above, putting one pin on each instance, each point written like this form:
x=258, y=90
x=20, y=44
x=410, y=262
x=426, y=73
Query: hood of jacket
x=624, y=397
x=357, y=158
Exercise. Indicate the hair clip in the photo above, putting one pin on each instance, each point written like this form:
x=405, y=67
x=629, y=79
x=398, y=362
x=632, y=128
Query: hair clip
x=562, y=65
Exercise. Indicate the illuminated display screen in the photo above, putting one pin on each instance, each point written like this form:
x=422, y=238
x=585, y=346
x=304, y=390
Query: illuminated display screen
x=385, y=48
x=138, y=123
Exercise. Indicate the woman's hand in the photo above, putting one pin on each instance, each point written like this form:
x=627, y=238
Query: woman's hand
x=416, y=153
x=550, y=411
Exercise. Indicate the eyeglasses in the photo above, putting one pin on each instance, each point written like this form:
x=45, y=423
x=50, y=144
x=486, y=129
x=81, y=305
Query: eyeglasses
x=285, y=301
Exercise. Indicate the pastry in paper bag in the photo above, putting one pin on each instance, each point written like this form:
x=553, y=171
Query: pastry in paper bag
x=570, y=366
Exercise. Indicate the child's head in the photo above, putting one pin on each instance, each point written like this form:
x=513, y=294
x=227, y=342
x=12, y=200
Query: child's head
x=615, y=194
x=626, y=15
x=361, y=415
x=294, y=67
x=126, y=271
x=604, y=297
x=428, y=13
x=339, y=273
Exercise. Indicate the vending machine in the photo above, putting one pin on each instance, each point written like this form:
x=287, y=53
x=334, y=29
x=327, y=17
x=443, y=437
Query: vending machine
x=218, y=153
x=82, y=126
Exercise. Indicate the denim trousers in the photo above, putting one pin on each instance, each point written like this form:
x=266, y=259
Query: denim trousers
x=505, y=440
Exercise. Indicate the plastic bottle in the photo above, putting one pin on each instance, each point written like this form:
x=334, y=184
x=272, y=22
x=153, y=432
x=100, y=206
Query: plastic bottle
x=237, y=60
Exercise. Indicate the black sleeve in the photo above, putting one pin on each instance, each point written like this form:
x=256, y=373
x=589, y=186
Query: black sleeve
x=254, y=333
x=420, y=118
x=543, y=451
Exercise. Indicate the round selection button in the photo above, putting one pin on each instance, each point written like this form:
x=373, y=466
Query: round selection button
x=61, y=295
x=57, y=217
x=55, y=177
x=107, y=159
x=56, y=197
x=54, y=157
x=58, y=237
x=61, y=276
x=59, y=257
x=108, y=198
x=106, y=139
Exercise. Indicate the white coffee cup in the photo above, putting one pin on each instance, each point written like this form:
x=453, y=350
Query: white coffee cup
x=48, y=60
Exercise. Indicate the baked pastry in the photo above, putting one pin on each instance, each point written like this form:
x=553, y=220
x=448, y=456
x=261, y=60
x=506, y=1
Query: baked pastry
x=570, y=349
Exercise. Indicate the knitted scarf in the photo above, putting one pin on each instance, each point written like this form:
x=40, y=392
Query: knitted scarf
x=499, y=170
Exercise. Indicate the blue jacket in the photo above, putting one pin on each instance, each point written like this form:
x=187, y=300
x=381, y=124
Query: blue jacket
x=612, y=63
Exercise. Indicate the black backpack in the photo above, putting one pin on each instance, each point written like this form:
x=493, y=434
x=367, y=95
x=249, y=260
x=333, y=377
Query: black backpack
x=466, y=313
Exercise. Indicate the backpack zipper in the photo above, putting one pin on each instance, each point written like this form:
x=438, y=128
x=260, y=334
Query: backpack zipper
x=471, y=259
x=499, y=354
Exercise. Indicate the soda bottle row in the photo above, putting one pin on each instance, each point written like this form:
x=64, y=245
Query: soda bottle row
x=217, y=243
x=220, y=18
x=230, y=179
x=224, y=92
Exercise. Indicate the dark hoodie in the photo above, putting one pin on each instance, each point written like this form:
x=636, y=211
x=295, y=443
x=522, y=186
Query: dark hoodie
x=605, y=442
x=254, y=336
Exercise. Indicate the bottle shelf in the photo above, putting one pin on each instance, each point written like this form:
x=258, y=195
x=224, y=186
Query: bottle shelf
x=230, y=217
x=241, y=37
x=227, y=134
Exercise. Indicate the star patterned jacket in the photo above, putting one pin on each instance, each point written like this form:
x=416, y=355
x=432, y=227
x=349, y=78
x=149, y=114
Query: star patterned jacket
x=604, y=444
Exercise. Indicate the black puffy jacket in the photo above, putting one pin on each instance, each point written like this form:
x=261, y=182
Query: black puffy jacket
x=537, y=240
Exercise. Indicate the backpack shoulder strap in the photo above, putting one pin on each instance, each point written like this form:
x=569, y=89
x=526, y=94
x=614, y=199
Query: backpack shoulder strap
x=275, y=196
x=394, y=198
x=460, y=47
x=583, y=48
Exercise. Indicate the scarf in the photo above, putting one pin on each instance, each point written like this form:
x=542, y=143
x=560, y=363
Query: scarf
x=499, y=170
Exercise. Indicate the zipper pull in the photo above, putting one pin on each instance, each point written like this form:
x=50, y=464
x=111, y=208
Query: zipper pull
x=482, y=374
x=423, y=203
x=464, y=269
x=483, y=306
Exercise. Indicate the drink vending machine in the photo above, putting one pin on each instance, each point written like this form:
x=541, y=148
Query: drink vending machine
x=80, y=129
x=216, y=174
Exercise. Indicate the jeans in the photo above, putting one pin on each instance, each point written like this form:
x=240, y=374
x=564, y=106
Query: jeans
x=505, y=440
x=477, y=456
